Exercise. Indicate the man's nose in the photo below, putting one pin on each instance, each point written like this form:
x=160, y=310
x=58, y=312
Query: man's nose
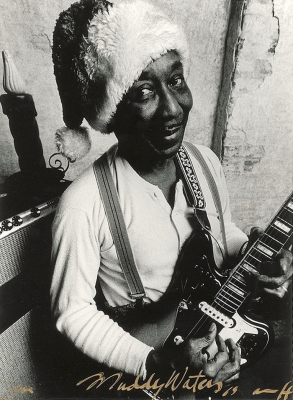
x=169, y=105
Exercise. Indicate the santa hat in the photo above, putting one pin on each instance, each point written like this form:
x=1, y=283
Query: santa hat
x=99, y=51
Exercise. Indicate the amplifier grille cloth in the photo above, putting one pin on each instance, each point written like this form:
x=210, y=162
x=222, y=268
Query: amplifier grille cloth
x=14, y=252
x=24, y=247
x=16, y=364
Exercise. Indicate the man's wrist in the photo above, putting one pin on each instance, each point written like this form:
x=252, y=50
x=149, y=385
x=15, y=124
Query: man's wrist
x=160, y=362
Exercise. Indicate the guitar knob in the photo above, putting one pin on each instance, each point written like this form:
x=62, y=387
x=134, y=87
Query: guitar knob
x=35, y=212
x=7, y=225
x=183, y=305
x=178, y=340
x=17, y=220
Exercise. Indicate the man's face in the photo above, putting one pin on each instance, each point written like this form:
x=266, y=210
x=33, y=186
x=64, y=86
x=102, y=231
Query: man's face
x=151, y=119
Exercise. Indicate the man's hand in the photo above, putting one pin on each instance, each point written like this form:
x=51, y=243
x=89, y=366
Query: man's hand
x=275, y=276
x=223, y=367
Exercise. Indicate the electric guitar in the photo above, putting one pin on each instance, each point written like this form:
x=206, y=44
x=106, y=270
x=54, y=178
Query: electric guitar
x=207, y=296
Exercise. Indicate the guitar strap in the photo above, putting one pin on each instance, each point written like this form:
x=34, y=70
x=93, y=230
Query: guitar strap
x=211, y=182
x=116, y=220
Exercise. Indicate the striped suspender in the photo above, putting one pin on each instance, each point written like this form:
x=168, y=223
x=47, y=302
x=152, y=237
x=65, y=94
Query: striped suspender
x=117, y=227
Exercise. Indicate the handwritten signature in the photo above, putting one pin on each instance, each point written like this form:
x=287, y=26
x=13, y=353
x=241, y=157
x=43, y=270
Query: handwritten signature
x=17, y=390
x=153, y=386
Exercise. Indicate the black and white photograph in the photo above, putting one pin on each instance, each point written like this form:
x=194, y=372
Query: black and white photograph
x=146, y=199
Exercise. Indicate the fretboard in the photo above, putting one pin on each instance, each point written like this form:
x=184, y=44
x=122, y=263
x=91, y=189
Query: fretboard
x=278, y=234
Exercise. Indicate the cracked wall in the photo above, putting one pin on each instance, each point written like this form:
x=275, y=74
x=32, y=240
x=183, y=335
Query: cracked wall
x=26, y=28
x=258, y=145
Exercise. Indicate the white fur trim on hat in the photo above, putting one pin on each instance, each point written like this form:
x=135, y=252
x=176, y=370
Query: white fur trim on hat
x=121, y=43
x=73, y=143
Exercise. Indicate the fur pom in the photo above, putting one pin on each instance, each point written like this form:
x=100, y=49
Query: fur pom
x=73, y=143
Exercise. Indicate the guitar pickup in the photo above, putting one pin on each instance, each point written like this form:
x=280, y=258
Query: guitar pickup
x=216, y=315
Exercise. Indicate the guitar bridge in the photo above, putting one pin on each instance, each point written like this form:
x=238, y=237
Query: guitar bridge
x=216, y=315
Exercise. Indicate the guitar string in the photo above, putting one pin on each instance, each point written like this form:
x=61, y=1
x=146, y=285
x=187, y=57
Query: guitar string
x=225, y=290
x=270, y=241
x=267, y=241
x=270, y=229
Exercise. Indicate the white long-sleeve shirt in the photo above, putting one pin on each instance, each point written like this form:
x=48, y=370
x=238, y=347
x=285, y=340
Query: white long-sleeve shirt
x=83, y=249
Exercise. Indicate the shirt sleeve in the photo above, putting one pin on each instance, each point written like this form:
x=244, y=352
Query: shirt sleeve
x=234, y=236
x=76, y=260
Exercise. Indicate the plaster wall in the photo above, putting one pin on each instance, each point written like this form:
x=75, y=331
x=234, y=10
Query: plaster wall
x=26, y=28
x=258, y=148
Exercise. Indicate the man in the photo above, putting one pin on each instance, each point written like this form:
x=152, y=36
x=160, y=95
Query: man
x=123, y=68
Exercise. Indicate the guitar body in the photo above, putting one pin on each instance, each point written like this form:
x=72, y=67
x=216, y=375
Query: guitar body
x=252, y=334
x=189, y=316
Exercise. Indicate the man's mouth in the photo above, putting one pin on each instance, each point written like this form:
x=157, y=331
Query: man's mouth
x=172, y=129
x=166, y=131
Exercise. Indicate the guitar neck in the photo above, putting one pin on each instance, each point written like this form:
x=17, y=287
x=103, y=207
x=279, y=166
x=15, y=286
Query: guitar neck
x=234, y=292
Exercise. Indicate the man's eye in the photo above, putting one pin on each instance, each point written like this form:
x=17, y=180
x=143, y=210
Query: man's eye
x=140, y=93
x=177, y=81
x=145, y=93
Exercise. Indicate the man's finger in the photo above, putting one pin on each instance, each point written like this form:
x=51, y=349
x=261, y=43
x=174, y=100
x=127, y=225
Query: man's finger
x=230, y=370
x=234, y=351
x=284, y=261
x=233, y=378
x=272, y=282
x=279, y=291
x=208, y=338
x=255, y=233
x=212, y=366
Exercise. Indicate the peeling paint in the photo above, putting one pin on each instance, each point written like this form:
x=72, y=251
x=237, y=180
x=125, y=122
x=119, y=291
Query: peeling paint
x=41, y=42
x=253, y=156
x=241, y=158
x=276, y=37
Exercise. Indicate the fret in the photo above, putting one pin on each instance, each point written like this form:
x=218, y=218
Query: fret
x=256, y=256
x=282, y=226
x=226, y=294
x=285, y=221
x=224, y=306
x=290, y=205
x=235, y=277
x=235, y=289
x=245, y=266
x=275, y=234
x=252, y=259
x=286, y=213
x=225, y=299
x=271, y=243
x=265, y=249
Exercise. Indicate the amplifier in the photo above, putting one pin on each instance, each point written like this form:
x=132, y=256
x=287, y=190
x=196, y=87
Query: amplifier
x=25, y=246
